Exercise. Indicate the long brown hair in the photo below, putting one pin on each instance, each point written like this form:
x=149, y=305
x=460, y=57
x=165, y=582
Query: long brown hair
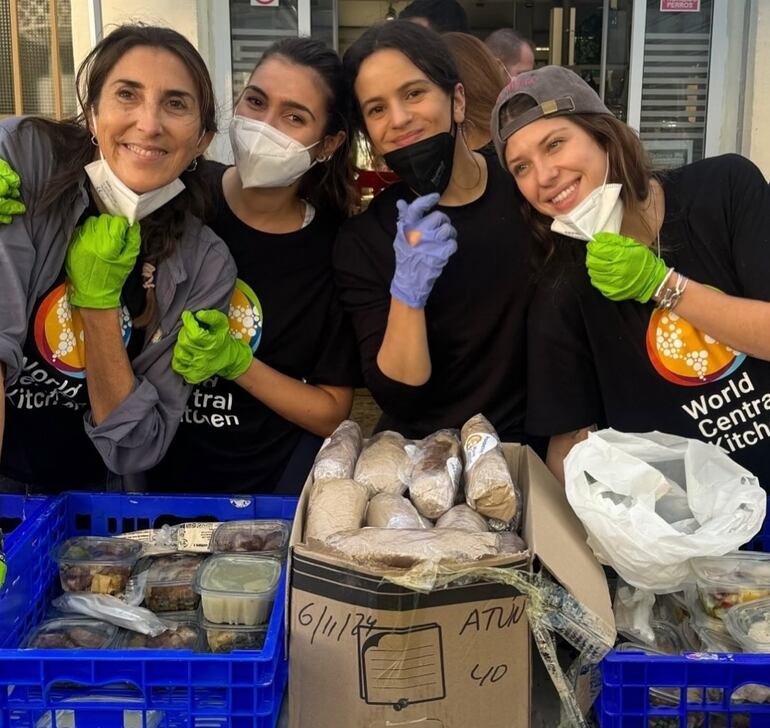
x=329, y=185
x=629, y=165
x=482, y=77
x=73, y=150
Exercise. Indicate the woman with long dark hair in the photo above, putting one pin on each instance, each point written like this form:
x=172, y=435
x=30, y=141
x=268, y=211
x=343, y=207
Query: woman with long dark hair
x=95, y=276
x=435, y=273
x=277, y=377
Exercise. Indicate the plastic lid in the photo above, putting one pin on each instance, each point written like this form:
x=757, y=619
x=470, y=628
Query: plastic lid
x=740, y=570
x=69, y=633
x=749, y=624
x=238, y=575
x=258, y=536
x=173, y=569
x=95, y=549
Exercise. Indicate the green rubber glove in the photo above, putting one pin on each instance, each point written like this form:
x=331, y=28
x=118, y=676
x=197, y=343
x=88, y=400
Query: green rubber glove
x=10, y=195
x=623, y=268
x=100, y=256
x=205, y=347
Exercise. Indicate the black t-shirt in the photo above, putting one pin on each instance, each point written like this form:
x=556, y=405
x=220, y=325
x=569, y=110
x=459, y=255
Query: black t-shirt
x=636, y=368
x=45, y=443
x=285, y=305
x=476, y=313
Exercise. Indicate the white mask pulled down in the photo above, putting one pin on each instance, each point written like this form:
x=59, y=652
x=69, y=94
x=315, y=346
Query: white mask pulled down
x=600, y=211
x=265, y=156
x=119, y=199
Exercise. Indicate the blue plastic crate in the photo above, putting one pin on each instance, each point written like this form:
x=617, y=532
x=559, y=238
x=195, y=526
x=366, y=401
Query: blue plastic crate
x=16, y=513
x=146, y=689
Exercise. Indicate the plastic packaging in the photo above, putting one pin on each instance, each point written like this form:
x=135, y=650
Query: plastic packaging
x=489, y=488
x=386, y=510
x=711, y=631
x=112, y=610
x=182, y=633
x=94, y=564
x=336, y=460
x=436, y=473
x=749, y=625
x=463, y=518
x=405, y=548
x=335, y=505
x=238, y=588
x=385, y=464
x=226, y=638
x=169, y=583
x=72, y=633
x=735, y=578
x=267, y=537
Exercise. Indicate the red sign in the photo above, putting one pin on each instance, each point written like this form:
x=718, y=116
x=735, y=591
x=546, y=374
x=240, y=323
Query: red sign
x=679, y=6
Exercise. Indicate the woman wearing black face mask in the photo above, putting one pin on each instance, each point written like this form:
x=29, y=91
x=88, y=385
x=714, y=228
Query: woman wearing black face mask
x=438, y=285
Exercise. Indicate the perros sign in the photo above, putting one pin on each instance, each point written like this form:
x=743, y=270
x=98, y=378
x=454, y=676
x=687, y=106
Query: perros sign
x=677, y=6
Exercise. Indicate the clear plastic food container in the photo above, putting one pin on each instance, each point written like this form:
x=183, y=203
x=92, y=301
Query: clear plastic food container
x=736, y=578
x=265, y=536
x=95, y=564
x=184, y=633
x=72, y=633
x=228, y=637
x=238, y=588
x=170, y=580
x=749, y=625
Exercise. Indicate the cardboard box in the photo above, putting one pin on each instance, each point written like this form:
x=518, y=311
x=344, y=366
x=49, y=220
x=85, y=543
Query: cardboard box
x=364, y=652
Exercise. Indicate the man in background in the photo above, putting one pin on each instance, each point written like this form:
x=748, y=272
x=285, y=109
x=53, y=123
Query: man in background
x=443, y=16
x=513, y=50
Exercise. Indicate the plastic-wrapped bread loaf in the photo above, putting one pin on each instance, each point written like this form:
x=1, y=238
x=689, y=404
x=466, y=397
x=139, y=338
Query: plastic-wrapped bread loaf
x=404, y=548
x=489, y=487
x=336, y=460
x=335, y=505
x=463, y=518
x=384, y=463
x=386, y=510
x=436, y=472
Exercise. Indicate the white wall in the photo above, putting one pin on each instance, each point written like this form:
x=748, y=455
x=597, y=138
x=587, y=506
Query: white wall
x=756, y=127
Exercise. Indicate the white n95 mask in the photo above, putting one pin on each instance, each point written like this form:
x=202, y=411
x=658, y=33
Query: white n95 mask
x=265, y=156
x=119, y=199
x=601, y=211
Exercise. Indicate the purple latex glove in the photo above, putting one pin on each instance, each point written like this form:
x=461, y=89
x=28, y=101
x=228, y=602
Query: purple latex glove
x=423, y=245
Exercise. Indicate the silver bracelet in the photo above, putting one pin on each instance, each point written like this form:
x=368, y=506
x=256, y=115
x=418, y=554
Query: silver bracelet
x=671, y=295
x=663, y=284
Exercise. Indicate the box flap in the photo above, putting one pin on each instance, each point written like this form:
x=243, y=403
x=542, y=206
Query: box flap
x=556, y=536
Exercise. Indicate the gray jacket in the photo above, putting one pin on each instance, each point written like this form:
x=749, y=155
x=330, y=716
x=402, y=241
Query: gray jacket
x=200, y=274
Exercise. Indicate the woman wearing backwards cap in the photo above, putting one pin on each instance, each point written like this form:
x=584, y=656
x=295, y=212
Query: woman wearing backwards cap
x=651, y=311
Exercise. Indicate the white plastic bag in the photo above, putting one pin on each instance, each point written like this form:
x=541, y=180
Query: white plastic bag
x=650, y=502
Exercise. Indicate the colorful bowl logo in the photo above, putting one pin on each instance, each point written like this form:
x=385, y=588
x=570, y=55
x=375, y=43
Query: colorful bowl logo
x=686, y=356
x=246, y=315
x=59, y=333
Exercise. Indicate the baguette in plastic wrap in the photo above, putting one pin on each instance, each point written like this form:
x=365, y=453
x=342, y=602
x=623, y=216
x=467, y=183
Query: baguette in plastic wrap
x=385, y=463
x=436, y=472
x=403, y=549
x=336, y=460
x=335, y=505
x=463, y=518
x=489, y=488
x=386, y=510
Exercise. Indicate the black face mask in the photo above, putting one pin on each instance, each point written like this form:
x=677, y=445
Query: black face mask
x=426, y=166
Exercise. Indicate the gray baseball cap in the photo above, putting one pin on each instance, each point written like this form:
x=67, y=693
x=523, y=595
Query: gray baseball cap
x=556, y=91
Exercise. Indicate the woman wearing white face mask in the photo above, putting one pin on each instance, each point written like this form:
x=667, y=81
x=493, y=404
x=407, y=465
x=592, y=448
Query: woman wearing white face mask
x=89, y=302
x=278, y=376
x=653, y=309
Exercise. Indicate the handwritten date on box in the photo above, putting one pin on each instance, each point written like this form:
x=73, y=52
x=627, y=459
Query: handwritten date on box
x=326, y=625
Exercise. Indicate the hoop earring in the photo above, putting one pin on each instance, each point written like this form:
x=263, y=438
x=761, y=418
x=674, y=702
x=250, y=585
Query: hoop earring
x=94, y=140
x=193, y=165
